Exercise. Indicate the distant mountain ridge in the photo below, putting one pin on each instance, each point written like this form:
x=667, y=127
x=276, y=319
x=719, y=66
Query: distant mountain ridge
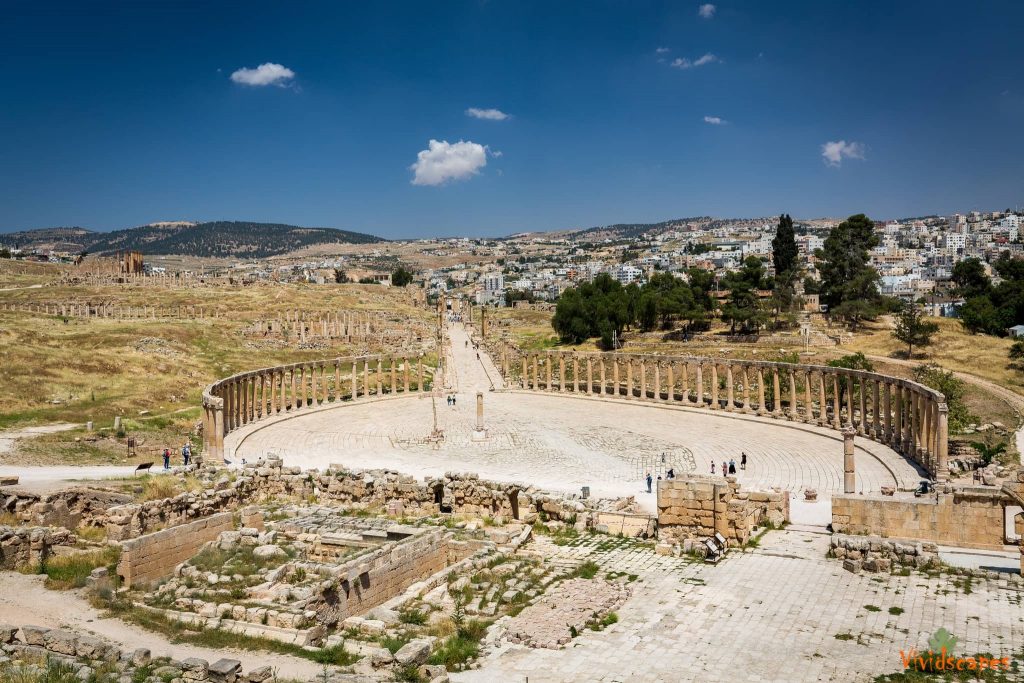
x=244, y=239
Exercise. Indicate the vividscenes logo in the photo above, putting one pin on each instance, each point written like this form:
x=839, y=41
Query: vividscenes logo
x=940, y=657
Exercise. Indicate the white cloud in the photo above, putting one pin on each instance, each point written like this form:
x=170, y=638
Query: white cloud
x=663, y=50
x=715, y=120
x=684, y=63
x=834, y=152
x=264, y=74
x=487, y=114
x=444, y=161
x=706, y=11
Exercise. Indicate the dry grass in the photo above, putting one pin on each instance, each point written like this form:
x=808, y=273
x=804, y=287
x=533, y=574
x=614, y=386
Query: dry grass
x=93, y=370
x=954, y=349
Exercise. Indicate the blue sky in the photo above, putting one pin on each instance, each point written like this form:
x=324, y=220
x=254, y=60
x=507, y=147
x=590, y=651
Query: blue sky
x=114, y=115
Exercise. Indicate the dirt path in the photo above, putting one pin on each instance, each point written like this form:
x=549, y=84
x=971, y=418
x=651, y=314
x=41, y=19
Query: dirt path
x=24, y=601
x=11, y=436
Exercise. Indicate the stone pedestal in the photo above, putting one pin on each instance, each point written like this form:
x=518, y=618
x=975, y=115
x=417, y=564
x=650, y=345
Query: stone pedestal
x=479, y=434
x=849, y=474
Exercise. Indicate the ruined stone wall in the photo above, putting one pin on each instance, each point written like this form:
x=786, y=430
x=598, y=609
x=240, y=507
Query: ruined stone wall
x=371, y=580
x=22, y=547
x=968, y=517
x=70, y=508
x=877, y=554
x=457, y=493
x=154, y=556
x=697, y=506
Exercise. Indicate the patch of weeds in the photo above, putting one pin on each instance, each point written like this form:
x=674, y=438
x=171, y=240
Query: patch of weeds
x=335, y=654
x=587, y=570
x=895, y=611
x=412, y=616
x=72, y=571
x=873, y=608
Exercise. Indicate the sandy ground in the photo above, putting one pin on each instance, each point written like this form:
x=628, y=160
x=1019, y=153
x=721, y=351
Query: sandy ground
x=24, y=601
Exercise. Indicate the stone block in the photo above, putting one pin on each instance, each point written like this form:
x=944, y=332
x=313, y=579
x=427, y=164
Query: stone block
x=33, y=635
x=414, y=652
x=7, y=633
x=225, y=670
x=852, y=566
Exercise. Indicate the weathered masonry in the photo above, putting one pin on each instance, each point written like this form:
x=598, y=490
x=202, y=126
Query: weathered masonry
x=904, y=415
x=250, y=396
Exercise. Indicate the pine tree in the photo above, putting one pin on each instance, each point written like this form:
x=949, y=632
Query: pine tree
x=784, y=251
x=912, y=329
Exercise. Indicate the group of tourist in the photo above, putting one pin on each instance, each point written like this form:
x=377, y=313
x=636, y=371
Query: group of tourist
x=186, y=456
x=730, y=466
x=451, y=399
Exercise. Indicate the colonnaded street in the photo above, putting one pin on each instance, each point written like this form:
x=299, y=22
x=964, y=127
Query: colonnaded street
x=562, y=442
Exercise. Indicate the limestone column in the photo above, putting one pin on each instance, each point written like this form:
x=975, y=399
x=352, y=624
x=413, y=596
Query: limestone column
x=837, y=416
x=408, y=369
x=245, y=404
x=700, y=384
x=729, y=389
x=715, y=405
x=226, y=391
x=760, y=391
x=575, y=373
x=603, y=389
x=590, y=375
x=561, y=372
x=776, y=392
x=314, y=387
x=686, y=383
x=849, y=399
x=745, y=378
x=524, y=378
x=822, y=401
x=549, y=371
x=366, y=376
x=942, y=445
x=671, y=382
x=380, y=376
x=862, y=428
x=876, y=428
x=896, y=437
x=616, y=388
x=849, y=476
x=886, y=413
x=422, y=377
x=643, y=379
x=794, y=412
x=536, y=371
x=394, y=376
x=479, y=411
x=629, y=378
x=808, y=401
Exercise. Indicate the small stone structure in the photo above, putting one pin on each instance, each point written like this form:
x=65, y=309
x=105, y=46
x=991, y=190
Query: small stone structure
x=25, y=547
x=694, y=507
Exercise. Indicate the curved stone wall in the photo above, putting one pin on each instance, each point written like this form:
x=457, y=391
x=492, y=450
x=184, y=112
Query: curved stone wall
x=247, y=397
x=909, y=417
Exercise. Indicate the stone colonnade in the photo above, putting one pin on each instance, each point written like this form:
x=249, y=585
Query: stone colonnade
x=248, y=397
x=112, y=311
x=350, y=325
x=904, y=415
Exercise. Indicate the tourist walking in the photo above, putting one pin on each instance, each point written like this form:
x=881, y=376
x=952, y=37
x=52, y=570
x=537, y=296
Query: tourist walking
x=712, y=467
x=167, y=458
x=649, y=481
x=743, y=461
x=732, y=466
x=725, y=468
x=671, y=474
x=186, y=454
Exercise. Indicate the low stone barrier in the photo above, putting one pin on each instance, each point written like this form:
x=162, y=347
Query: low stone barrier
x=87, y=654
x=877, y=554
x=154, y=556
x=970, y=517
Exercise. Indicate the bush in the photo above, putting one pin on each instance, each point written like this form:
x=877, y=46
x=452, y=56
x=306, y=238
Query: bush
x=72, y=571
x=412, y=616
x=935, y=377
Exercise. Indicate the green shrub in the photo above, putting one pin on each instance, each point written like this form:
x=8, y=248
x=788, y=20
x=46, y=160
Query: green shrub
x=72, y=571
x=412, y=616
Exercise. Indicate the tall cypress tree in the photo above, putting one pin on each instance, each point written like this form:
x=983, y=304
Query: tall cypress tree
x=784, y=252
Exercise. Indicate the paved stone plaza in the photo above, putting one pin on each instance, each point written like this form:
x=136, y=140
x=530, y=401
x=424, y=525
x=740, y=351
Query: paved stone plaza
x=781, y=612
x=562, y=443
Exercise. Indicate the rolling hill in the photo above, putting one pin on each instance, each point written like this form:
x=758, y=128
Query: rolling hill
x=242, y=239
